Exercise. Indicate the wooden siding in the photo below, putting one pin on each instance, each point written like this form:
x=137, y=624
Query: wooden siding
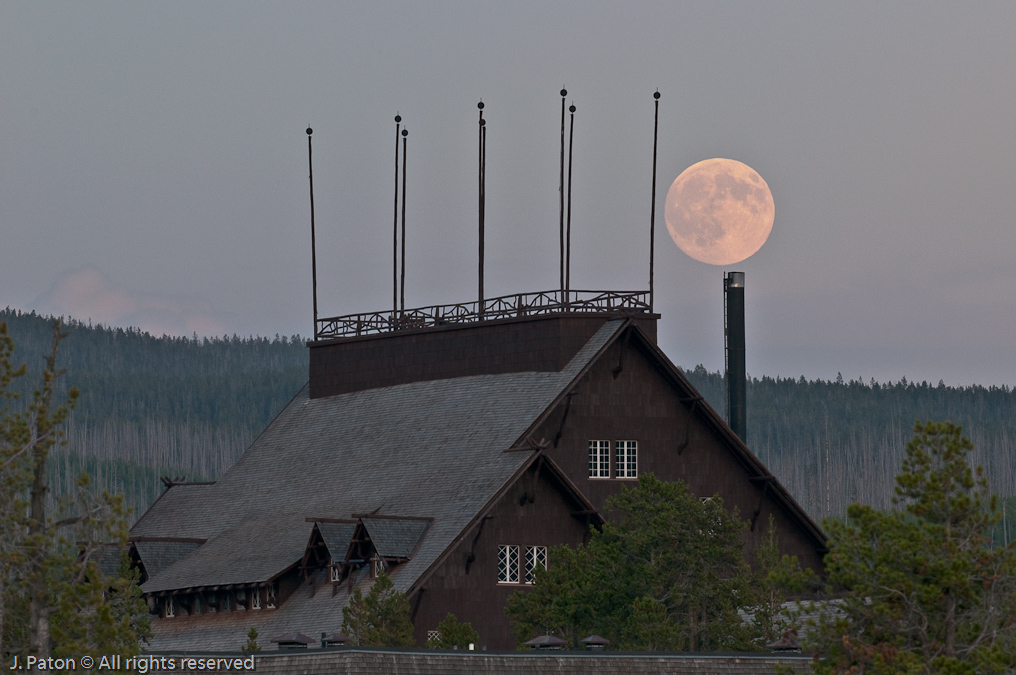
x=536, y=344
x=642, y=404
x=476, y=596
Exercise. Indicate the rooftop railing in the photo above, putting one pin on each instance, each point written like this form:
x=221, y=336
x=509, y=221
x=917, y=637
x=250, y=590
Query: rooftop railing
x=505, y=307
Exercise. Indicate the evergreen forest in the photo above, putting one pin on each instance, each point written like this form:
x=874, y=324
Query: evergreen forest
x=188, y=407
x=185, y=408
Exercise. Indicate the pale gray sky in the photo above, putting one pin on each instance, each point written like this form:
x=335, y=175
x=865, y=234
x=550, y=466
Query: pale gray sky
x=153, y=165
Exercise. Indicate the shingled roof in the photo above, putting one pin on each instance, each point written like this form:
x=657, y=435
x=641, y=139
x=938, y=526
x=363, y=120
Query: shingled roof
x=336, y=537
x=157, y=556
x=395, y=537
x=442, y=461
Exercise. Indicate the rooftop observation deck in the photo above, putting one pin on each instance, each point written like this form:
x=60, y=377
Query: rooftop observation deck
x=515, y=333
x=505, y=307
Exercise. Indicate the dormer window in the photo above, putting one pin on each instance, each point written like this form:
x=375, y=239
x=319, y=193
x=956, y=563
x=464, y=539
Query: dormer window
x=170, y=609
x=255, y=598
x=379, y=567
x=335, y=572
x=270, y=600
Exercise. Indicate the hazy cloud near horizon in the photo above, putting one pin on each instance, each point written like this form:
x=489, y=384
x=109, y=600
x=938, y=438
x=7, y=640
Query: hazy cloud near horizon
x=153, y=166
x=88, y=295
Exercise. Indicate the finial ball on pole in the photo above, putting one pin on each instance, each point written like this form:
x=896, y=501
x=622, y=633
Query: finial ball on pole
x=405, y=132
x=398, y=118
x=564, y=92
x=483, y=122
x=309, y=131
x=571, y=109
x=480, y=105
x=657, y=96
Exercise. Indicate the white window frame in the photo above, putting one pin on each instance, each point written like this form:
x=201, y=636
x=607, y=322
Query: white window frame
x=335, y=573
x=535, y=556
x=255, y=598
x=599, y=459
x=378, y=567
x=626, y=453
x=170, y=609
x=433, y=636
x=508, y=564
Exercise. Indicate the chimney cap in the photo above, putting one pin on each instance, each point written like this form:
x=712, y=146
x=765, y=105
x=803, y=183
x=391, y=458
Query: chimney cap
x=735, y=279
x=545, y=642
x=334, y=639
x=293, y=638
x=595, y=640
x=788, y=642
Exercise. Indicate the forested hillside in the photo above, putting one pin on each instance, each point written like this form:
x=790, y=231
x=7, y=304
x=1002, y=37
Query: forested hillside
x=153, y=407
x=183, y=407
x=837, y=442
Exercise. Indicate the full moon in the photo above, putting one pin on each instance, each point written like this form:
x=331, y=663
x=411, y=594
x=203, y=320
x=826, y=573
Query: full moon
x=719, y=211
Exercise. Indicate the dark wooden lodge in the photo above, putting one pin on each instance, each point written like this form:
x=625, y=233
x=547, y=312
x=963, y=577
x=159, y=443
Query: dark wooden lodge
x=450, y=447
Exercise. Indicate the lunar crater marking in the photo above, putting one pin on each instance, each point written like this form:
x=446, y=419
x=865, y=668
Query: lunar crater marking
x=719, y=211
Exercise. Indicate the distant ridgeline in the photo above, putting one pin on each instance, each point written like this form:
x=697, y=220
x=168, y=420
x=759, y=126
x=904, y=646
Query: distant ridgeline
x=187, y=407
x=151, y=407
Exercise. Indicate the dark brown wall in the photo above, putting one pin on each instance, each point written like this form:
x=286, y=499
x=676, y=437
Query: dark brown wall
x=477, y=597
x=642, y=405
x=541, y=344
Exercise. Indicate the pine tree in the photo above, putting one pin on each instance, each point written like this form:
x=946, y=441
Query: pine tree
x=50, y=558
x=379, y=619
x=925, y=591
x=15, y=472
x=252, y=642
x=451, y=634
x=669, y=575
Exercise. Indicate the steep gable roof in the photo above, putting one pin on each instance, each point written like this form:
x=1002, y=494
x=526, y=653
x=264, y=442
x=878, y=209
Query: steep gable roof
x=428, y=449
x=431, y=456
x=753, y=466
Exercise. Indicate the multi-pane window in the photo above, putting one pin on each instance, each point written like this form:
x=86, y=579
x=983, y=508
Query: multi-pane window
x=379, y=567
x=336, y=572
x=627, y=459
x=599, y=459
x=536, y=556
x=255, y=598
x=508, y=564
x=170, y=609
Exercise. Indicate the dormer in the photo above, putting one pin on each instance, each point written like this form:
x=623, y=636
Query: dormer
x=329, y=542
